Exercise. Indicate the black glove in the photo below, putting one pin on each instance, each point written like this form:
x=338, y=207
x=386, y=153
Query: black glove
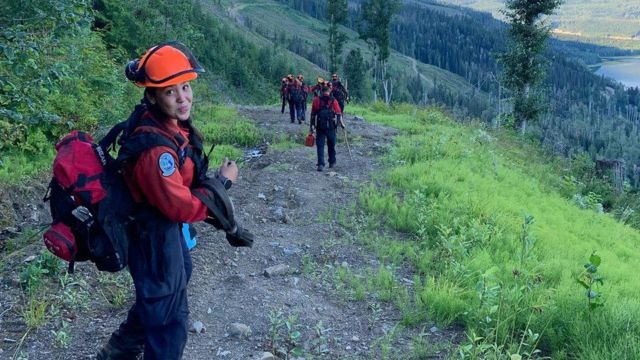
x=240, y=237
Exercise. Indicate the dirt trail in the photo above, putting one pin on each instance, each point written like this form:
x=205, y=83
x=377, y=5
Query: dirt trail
x=292, y=209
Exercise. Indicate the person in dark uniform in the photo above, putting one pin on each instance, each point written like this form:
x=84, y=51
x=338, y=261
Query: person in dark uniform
x=305, y=93
x=292, y=93
x=338, y=91
x=325, y=118
x=283, y=88
x=165, y=183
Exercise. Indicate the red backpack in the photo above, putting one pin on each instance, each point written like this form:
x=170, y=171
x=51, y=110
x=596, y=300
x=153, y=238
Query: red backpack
x=89, y=204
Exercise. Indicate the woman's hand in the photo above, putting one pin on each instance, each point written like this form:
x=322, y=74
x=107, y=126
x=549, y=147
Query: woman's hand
x=229, y=169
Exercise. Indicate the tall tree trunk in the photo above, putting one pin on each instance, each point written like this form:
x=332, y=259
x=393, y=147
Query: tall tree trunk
x=386, y=83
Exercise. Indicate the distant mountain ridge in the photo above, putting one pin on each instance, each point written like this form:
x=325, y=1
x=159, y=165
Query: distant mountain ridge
x=607, y=22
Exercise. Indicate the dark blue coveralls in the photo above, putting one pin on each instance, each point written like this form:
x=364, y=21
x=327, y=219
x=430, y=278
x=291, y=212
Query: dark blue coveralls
x=161, y=267
x=323, y=113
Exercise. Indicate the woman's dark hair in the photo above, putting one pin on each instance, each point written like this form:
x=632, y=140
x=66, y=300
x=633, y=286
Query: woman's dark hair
x=158, y=114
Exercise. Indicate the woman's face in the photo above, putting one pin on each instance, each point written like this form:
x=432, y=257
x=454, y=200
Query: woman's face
x=175, y=100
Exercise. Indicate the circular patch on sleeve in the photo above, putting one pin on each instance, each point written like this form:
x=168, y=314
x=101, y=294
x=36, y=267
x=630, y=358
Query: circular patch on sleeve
x=167, y=164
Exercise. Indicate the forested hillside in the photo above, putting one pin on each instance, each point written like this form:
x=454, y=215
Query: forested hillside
x=585, y=111
x=306, y=35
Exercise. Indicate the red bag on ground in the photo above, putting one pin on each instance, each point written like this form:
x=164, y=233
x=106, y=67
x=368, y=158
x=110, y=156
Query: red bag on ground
x=310, y=140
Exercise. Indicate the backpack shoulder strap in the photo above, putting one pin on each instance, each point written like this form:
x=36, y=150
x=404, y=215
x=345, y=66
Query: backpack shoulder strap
x=141, y=141
x=109, y=140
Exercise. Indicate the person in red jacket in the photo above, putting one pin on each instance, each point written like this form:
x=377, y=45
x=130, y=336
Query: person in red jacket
x=325, y=118
x=317, y=88
x=167, y=183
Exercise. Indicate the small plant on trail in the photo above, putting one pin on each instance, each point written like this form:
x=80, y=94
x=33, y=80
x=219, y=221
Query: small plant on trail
x=284, y=336
x=62, y=335
x=589, y=278
x=115, y=288
x=31, y=276
x=318, y=344
x=34, y=313
x=385, y=343
x=376, y=312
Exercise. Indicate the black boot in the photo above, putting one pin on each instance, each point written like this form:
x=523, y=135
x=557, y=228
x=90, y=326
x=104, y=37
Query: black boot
x=112, y=350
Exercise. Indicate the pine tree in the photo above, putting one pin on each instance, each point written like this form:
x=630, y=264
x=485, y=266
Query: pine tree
x=337, y=12
x=354, y=73
x=524, y=64
x=375, y=18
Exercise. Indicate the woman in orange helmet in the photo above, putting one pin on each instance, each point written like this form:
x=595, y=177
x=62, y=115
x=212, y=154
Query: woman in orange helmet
x=165, y=181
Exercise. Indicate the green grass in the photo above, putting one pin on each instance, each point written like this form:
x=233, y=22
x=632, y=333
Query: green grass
x=15, y=167
x=230, y=133
x=459, y=196
x=223, y=125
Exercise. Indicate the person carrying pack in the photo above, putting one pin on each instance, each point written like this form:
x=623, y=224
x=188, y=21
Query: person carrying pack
x=317, y=88
x=165, y=171
x=301, y=109
x=295, y=97
x=338, y=91
x=325, y=117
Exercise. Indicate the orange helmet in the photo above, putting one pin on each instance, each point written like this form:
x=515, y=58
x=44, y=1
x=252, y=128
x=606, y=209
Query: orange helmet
x=164, y=65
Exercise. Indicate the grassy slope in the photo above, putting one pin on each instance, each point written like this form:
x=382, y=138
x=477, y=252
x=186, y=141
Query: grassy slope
x=464, y=194
x=595, y=21
x=263, y=13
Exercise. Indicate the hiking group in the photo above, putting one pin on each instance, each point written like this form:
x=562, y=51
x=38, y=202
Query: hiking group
x=327, y=111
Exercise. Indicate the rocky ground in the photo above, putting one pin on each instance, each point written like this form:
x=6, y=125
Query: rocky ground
x=277, y=300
